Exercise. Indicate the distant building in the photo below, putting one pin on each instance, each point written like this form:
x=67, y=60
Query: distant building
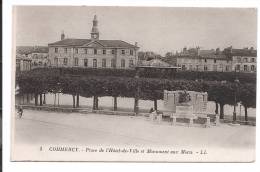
x=38, y=55
x=92, y=53
x=23, y=64
x=243, y=60
x=40, y=59
x=195, y=59
x=154, y=63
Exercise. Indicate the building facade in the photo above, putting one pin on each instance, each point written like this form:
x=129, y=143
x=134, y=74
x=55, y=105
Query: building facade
x=23, y=64
x=92, y=53
x=37, y=55
x=243, y=60
x=40, y=59
x=194, y=59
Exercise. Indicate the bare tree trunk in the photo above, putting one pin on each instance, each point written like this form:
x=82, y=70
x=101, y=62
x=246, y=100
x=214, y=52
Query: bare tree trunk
x=36, y=99
x=221, y=111
x=55, y=99
x=136, y=108
x=216, y=110
x=246, y=117
x=115, y=103
x=58, y=99
x=137, y=95
x=77, y=101
x=155, y=104
x=27, y=98
x=23, y=98
x=96, y=102
x=40, y=99
x=73, y=96
x=44, y=99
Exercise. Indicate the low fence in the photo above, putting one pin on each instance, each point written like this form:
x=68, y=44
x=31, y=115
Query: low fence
x=54, y=108
x=165, y=115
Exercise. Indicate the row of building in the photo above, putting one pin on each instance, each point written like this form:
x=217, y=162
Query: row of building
x=230, y=59
x=28, y=57
x=97, y=53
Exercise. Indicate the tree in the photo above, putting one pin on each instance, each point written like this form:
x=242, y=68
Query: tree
x=121, y=83
x=248, y=97
x=35, y=84
x=70, y=85
x=222, y=93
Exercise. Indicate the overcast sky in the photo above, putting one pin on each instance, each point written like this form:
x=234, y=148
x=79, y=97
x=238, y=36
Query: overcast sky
x=155, y=29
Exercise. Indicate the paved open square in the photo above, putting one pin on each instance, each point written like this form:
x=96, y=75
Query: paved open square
x=40, y=127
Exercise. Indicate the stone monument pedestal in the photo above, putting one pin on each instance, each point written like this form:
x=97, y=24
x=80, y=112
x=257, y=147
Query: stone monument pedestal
x=217, y=120
x=208, y=122
x=185, y=111
x=191, y=122
x=173, y=120
x=152, y=116
x=159, y=118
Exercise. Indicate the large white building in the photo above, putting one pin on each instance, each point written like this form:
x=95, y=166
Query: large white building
x=92, y=53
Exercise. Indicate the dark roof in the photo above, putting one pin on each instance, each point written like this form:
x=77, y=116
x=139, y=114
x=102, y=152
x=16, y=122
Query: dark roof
x=31, y=49
x=207, y=52
x=154, y=63
x=81, y=42
x=72, y=42
x=218, y=57
x=244, y=52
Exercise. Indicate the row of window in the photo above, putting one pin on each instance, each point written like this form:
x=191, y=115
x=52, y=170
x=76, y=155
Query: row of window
x=200, y=60
x=239, y=60
x=205, y=67
x=245, y=59
x=94, y=62
x=95, y=51
x=215, y=67
x=246, y=67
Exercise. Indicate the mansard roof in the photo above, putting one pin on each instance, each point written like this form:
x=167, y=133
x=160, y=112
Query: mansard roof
x=85, y=42
x=244, y=52
x=248, y=52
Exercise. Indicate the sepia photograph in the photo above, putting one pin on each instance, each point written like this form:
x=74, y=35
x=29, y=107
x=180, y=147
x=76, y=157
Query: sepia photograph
x=133, y=84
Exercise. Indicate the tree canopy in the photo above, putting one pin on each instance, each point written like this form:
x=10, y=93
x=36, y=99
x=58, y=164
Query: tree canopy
x=80, y=82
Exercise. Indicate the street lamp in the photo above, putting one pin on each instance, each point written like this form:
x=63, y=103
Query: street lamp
x=235, y=100
x=58, y=93
x=137, y=94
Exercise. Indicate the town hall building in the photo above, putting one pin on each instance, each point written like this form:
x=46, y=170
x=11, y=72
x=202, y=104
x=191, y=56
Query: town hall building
x=93, y=53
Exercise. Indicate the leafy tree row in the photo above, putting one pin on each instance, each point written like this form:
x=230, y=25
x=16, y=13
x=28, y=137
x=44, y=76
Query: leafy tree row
x=155, y=73
x=221, y=93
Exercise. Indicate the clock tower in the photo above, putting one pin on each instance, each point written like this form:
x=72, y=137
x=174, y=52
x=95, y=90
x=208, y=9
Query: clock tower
x=94, y=31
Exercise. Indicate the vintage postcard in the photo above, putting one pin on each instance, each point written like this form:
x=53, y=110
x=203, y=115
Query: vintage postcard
x=134, y=84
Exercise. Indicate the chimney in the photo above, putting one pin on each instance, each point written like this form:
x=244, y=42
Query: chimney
x=231, y=48
x=136, y=44
x=62, y=36
x=217, y=51
x=198, y=50
x=251, y=49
